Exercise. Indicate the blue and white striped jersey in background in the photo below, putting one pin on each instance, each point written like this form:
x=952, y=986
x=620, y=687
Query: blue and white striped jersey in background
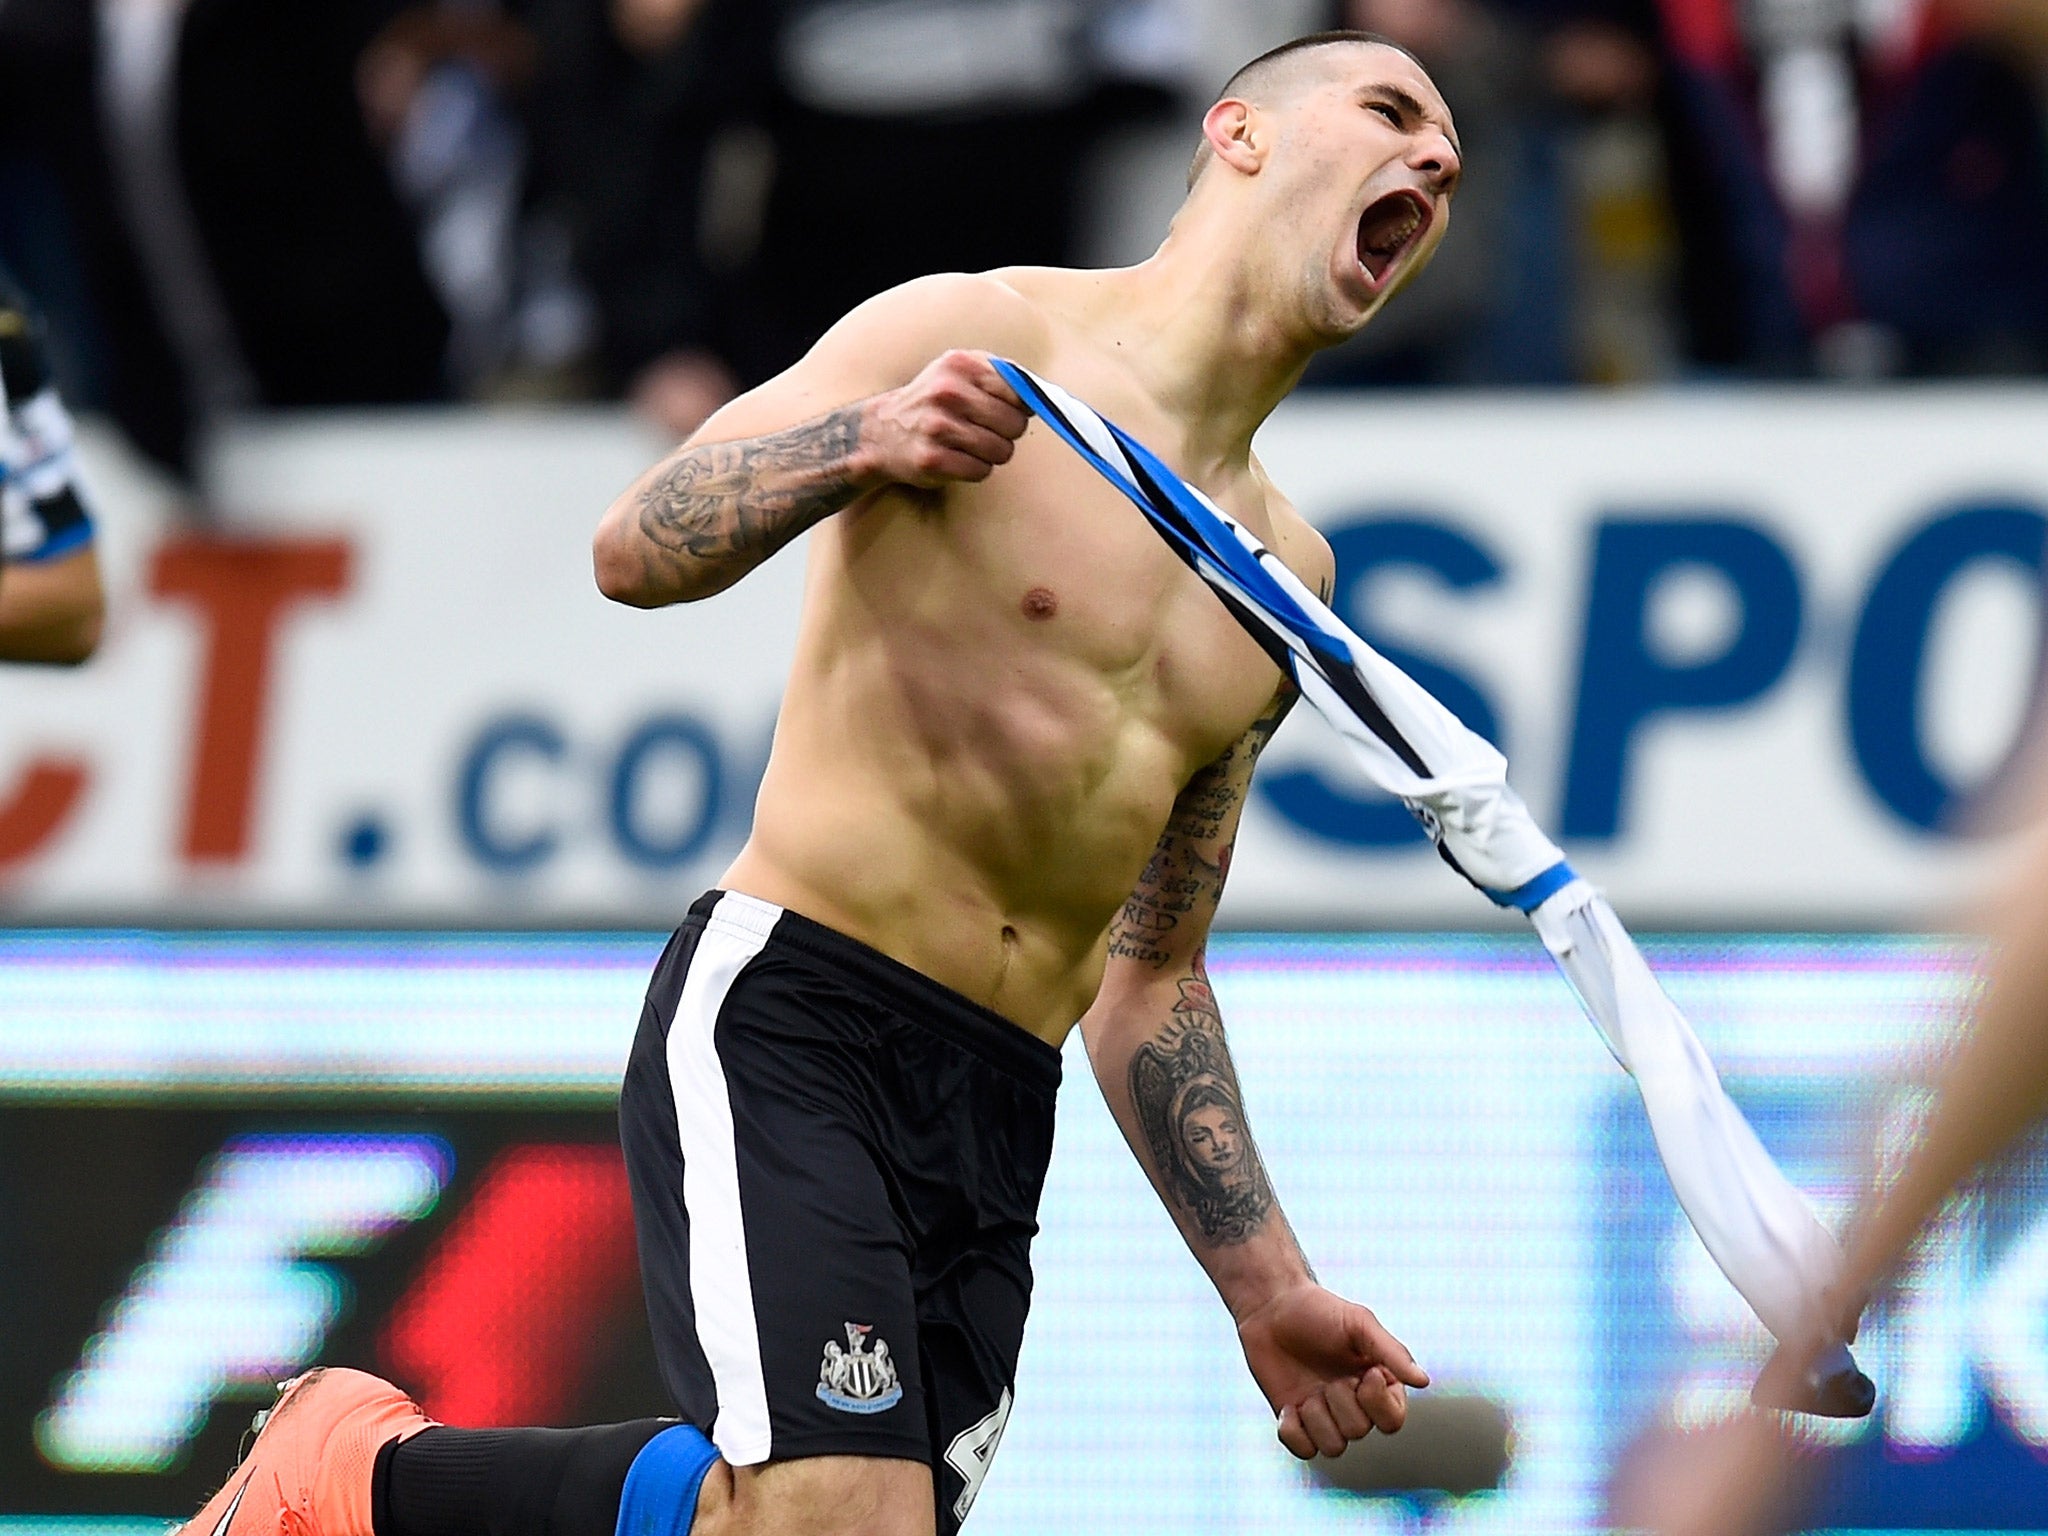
x=44, y=514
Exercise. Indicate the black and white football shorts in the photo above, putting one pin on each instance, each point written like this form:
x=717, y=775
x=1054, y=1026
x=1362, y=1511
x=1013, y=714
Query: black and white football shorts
x=836, y=1165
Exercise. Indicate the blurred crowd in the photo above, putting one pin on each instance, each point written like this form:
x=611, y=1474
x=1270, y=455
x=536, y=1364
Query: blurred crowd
x=226, y=204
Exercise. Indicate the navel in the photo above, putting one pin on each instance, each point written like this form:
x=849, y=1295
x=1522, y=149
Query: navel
x=1010, y=943
x=1040, y=603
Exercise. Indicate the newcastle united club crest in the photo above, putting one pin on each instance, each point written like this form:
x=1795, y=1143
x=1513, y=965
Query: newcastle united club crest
x=856, y=1378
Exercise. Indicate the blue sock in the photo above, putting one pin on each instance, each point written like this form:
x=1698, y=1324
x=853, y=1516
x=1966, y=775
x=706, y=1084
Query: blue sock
x=660, y=1496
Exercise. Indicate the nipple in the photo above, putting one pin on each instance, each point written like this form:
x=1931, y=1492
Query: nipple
x=1040, y=603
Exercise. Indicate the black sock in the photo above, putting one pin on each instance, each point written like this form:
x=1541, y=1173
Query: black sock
x=506, y=1482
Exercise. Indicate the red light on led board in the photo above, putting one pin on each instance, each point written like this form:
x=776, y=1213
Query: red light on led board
x=497, y=1327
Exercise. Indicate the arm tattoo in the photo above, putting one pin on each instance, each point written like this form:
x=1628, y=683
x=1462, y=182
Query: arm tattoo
x=1185, y=1091
x=720, y=502
x=1181, y=873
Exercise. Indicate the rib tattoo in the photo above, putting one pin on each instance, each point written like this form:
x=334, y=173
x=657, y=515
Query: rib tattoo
x=720, y=502
x=1179, y=873
x=1185, y=1091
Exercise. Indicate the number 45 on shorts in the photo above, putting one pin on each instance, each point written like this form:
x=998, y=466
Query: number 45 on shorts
x=973, y=1449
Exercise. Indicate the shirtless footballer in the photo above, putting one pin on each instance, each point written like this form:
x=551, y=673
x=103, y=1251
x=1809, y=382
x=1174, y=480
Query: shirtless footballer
x=1005, y=783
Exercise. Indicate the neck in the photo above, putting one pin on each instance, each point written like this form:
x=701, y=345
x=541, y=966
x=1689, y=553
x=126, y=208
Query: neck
x=1200, y=326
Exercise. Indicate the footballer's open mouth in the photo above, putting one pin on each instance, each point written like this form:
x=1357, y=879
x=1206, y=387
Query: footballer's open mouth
x=1389, y=229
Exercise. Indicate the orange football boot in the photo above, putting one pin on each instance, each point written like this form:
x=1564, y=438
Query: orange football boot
x=308, y=1472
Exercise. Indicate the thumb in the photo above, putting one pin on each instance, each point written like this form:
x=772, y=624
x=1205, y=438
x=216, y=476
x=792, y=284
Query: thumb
x=1372, y=1343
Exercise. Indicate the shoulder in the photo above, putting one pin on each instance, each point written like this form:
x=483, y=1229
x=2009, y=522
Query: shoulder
x=1296, y=540
x=884, y=343
x=913, y=323
x=975, y=298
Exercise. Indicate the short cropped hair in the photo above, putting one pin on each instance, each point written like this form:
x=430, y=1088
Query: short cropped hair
x=1262, y=73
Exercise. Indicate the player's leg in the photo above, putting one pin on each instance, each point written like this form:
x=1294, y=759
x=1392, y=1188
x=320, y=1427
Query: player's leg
x=650, y=1478
x=972, y=1110
x=971, y=1328
x=773, y=1254
x=774, y=1315
x=504, y=1482
x=974, y=1287
x=814, y=1496
x=349, y=1455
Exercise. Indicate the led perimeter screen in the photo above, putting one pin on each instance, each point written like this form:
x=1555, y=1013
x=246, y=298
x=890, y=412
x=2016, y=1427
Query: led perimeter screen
x=225, y=1157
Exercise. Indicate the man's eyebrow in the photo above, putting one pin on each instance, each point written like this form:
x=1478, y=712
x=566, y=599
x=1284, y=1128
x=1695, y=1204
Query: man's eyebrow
x=1410, y=107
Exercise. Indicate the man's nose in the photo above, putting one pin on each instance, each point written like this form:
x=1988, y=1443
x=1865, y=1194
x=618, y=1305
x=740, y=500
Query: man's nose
x=1436, y=157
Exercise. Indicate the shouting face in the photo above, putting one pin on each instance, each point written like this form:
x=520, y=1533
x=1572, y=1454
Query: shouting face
x=1347, y=156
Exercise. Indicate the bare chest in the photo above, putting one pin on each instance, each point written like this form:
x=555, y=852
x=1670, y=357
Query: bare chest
x=1070, y=586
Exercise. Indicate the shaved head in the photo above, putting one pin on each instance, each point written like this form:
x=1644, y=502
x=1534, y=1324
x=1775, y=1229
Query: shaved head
x=1276, y=76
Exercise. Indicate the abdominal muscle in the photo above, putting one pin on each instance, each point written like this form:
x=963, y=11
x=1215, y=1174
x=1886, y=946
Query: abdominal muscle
x=968, y=868
x=967, y=791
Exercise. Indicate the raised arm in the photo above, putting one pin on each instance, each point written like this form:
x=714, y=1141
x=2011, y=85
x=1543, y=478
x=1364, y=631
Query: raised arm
x=1155, y=1038
x=1992, y=1091
x=899, y=392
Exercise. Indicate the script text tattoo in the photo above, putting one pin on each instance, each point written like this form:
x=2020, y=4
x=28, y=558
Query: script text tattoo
x=1181, y=874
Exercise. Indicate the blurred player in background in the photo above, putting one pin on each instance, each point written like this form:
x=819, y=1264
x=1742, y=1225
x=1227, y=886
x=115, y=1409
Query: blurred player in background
x=51, y=604
x=1006, y=781
x=1745, y=1478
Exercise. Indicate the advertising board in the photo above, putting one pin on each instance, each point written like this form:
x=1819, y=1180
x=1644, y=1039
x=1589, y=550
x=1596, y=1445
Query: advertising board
x=225, y=1157
x=1754, y=659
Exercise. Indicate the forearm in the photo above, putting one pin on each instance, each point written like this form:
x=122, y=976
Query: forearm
x=1995, y=1088
x=710, y=512
x=1164, y=1066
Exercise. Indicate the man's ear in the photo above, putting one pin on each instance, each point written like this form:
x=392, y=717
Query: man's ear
x=1237, y=134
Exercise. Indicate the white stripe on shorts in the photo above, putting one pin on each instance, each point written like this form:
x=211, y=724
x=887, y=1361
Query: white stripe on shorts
x=720, y=1287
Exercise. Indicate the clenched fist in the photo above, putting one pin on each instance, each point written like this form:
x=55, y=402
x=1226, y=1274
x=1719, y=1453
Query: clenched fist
x=1331, y=1372
x=957, y=420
